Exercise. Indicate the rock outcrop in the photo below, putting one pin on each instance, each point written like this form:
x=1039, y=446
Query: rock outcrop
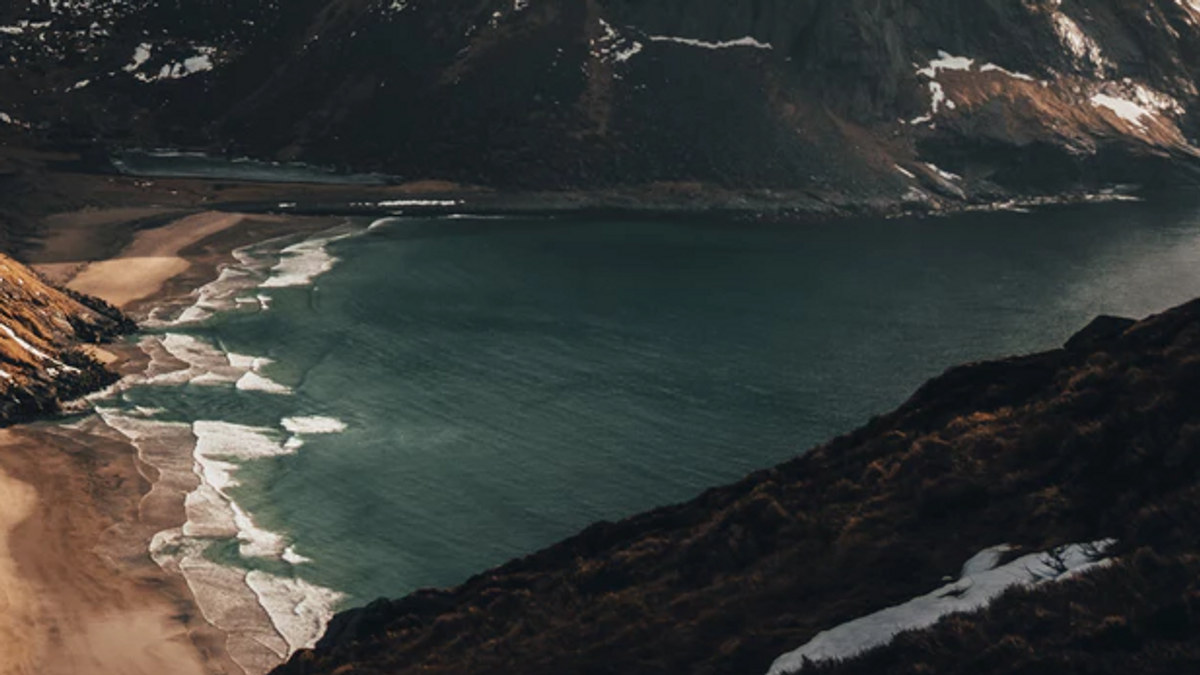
x=1094, y=442
x=44, y=332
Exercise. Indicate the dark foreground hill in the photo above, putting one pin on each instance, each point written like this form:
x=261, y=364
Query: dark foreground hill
x=855, y=104
x=1098, y=440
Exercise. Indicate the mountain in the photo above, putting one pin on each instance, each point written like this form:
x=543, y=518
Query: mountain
x=1090, y=453
x=854, y=104
x=43, y=332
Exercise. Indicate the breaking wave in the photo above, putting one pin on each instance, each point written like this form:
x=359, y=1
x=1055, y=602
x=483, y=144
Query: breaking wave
x=266, y=608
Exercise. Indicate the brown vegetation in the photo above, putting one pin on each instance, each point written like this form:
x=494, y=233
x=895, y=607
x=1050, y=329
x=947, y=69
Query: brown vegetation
x=41, y=361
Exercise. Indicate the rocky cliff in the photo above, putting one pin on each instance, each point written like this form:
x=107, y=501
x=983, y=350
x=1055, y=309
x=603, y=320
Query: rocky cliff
x=44, y=332
x=1095, y=441
x=851, y=103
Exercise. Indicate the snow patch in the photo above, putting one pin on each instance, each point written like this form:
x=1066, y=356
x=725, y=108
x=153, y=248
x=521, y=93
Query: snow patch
x=945, y=175
x=1126, y=110
x=945, y=61
x=612, y=47
x=949, y=62
x=199, y=62
x=140, y=56
x=979, y=583
x=12, y=335
x=729, y=44
x=993, y=68
x=12, y=121
x=1135, y=103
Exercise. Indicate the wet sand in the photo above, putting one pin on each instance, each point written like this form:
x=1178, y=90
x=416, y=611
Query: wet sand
x=79, y=593
x=17, y=614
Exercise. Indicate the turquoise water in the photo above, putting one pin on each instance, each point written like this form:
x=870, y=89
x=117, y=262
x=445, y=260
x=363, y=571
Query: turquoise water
x=505, y=383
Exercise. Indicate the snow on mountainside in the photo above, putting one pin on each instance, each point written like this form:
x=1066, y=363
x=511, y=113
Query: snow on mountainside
x=848, y=102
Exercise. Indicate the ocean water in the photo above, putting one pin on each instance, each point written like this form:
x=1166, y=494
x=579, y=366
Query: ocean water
x=406, y=403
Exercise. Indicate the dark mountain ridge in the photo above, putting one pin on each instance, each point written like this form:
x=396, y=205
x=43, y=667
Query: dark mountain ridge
x=861, y=102
x=1094, y=441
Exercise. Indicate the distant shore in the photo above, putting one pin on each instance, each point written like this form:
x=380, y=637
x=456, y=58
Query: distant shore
x=56, y=183
x=79, y=593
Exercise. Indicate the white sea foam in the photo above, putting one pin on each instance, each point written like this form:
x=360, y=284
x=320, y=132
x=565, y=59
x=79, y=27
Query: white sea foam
x=265, y=616
x=252, y=381
x=300, y=264
x=295, y=265
x=226, y=601
x=299, y=609
x=308, y=426
x=419, y=202
x=290, y=555
x=245, y=362
x=221, y=294
x=206, y=365
x=221, y=592
x=313, y=425
x=225, y=439
x=220, y=447
x=205, y=476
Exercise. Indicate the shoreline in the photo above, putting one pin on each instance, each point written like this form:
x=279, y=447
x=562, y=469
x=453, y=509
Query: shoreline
x=116, y=568
x=84, y=187
x=79, y=588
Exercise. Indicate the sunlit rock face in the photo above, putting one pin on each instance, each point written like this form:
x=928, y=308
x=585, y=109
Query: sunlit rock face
x=44, y=333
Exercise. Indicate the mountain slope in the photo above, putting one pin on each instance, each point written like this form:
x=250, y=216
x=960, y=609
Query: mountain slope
x=42, y=330
x=1094, y=441
x=856, y=102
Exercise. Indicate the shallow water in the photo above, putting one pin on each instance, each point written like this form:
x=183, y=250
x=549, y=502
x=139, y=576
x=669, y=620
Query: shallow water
x=471, y=391
x=172, y=164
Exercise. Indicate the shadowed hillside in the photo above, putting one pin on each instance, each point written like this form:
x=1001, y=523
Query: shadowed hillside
x=856, y=105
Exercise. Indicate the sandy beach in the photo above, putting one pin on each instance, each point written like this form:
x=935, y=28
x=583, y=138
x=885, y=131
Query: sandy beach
x=140, y=269
x=74, y=602
x=79, y=593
